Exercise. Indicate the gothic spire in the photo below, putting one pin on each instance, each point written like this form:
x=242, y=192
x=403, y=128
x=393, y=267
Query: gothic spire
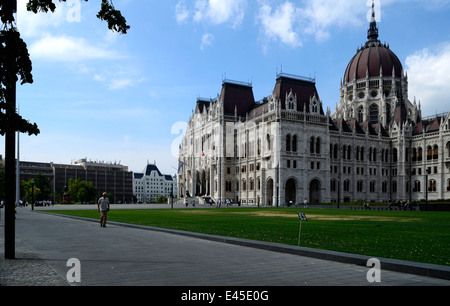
x=372, y=33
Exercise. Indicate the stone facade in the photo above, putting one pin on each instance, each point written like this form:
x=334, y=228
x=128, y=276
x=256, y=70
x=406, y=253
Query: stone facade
x=285, y=149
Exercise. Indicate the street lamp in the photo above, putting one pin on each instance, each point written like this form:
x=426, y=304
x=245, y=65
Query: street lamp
x=32, y=193
x=426, y=187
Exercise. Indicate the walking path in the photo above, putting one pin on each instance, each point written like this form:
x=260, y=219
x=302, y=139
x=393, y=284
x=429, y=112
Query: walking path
x=121, y=255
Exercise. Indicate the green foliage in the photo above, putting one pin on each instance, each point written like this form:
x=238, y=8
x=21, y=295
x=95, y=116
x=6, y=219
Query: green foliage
x=81, y=191
x=15, y=60
x=42, y=190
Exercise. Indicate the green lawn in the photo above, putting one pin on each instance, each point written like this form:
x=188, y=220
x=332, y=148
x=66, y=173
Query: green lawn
x=407, y=235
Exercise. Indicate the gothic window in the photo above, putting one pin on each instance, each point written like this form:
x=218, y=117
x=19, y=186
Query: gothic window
x=314, y=107
x=431, y=185
x=333, y=185
x=419, y=154
x=372, y=186
x=388, y=113
x=394, y=155
x=288, y=143
x=268, y=144
x=359, y=186
x=374, y=114
x=311, y=145
x=416, y=186
x=435, y=152
x=429, y=153
x=318, y=146
x=347, y=185
x=361, y=114
x=294, y=143
x=384, y=186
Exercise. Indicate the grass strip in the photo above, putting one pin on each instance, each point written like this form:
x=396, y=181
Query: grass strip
x=406, y=235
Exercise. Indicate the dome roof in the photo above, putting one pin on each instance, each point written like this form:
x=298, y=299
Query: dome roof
x=373, y=56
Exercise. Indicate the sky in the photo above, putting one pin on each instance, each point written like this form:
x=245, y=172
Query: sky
x=127, y=98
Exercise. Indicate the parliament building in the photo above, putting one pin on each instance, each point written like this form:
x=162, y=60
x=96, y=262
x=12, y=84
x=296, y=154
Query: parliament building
x=286, y=149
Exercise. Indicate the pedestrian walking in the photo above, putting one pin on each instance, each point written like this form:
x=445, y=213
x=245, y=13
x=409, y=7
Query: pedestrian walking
x=103, y=208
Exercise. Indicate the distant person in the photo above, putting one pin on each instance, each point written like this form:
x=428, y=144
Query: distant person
x=103, y=208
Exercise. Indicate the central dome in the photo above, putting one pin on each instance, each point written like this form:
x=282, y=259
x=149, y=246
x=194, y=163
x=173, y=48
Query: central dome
x=374, y=58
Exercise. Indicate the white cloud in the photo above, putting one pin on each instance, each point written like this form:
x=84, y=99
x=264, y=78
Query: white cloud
x=207, y=40
x=220, y=11
x=68, y=49
x=429, y=78
x=181, y=12
x=280, y=24
x=32, y=25
x=291, y=24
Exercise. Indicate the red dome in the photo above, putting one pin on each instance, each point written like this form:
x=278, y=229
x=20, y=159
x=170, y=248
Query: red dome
x=373, y=56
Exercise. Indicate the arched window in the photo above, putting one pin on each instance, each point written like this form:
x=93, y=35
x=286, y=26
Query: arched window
x=372, y=186
x=318, y=146
x=429, y=153
x=374, y=114
x=288, y=143
x=294, y=143
x=431, y=185
x=311, y=145
x=416, y=186
x=361, y=114
x=388, y=114
x=360, y=186
x=419, y=154
x=314, y=107
x=435, y=152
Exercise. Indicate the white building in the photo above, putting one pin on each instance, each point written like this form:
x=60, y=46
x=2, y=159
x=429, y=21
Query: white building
x=149, y=185
x=285, y=149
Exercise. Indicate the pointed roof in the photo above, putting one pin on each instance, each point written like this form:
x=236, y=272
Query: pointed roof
x=237, y=96
x=304, y=88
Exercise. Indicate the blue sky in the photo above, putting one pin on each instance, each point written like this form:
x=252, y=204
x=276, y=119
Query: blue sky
x=109, y=97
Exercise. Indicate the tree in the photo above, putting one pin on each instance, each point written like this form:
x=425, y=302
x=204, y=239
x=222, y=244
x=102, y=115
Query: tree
x=42, y=190
x=81, y=191
x=15, y=63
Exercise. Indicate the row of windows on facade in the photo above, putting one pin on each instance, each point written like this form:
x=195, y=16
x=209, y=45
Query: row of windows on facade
x=417, y=153
x=346, y=153
x=432, y=186
x=333, y=186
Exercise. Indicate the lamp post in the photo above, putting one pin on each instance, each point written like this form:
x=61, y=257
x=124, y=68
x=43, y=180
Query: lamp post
x=426, y=187
x=32, y=193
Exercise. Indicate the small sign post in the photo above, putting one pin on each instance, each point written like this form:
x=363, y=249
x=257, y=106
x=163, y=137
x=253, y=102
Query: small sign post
x=302, y=217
